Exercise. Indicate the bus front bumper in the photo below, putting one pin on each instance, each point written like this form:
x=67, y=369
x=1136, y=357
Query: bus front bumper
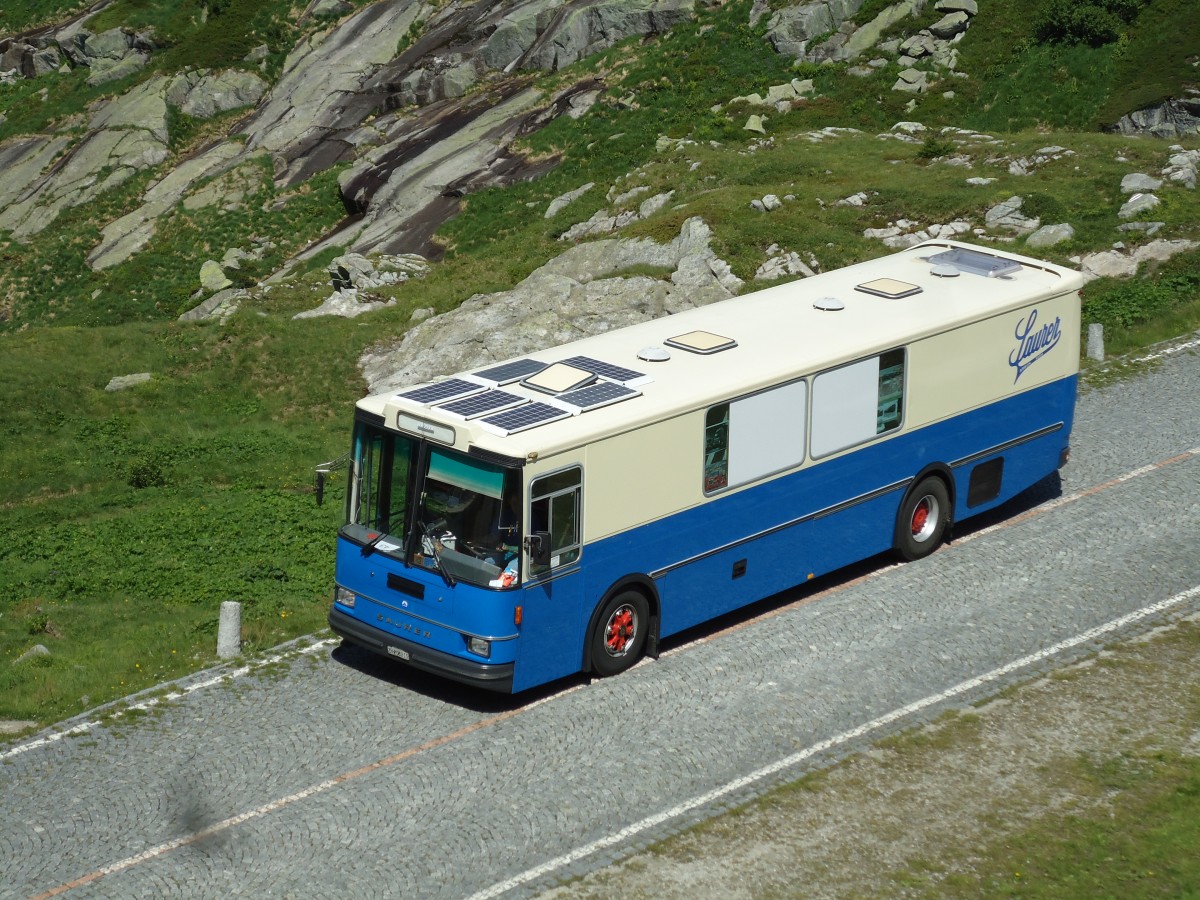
x=489, y=676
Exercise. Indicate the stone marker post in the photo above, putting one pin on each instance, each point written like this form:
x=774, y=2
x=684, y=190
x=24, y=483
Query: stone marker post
x=229, y=632
x=1095, y=344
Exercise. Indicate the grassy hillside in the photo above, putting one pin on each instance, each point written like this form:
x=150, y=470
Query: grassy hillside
x=130, y=516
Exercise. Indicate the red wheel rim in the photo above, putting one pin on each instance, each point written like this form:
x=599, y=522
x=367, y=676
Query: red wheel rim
x=920, y=517
x=622, y=626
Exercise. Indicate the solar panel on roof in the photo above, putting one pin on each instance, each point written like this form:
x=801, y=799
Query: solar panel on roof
x=523, y=417
x=442, y=391
x=597, y=395
x=507, y=373
x=606, y=370
x=481, y=404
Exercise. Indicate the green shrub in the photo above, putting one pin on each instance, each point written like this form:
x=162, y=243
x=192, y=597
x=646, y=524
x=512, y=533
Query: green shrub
x=934, y=146
x=1095, y=24
x=145, y=472
x=1122, y=304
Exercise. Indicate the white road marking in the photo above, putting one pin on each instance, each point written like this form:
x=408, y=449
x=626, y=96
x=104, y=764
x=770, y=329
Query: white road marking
x=845, y=737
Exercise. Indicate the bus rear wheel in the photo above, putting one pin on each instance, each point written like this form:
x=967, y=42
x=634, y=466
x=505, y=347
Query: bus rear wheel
x=619, y=635
x=922, y=519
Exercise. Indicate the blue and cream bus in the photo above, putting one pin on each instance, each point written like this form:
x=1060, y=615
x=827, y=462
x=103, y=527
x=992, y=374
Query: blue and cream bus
x=566, y=510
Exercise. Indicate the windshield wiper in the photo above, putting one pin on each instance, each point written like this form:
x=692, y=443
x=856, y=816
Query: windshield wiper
x=437, y=557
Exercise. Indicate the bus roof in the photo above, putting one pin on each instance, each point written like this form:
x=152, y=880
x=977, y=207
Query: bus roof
x=566, y=396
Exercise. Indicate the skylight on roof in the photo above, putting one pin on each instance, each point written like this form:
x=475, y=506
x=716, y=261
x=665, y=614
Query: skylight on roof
x=701, y=342
x=892, y=288
x=559, y=377
x=975, y=262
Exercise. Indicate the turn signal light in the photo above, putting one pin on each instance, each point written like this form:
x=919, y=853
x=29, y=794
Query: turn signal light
x=517, y=615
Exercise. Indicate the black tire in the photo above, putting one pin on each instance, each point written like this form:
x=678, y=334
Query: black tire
x=619, y=634
x=921, y=523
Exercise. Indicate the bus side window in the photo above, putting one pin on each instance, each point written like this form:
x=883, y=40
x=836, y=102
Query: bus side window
x=854, y=403
x=716, y=448
x=891, y=391
x=555, y=507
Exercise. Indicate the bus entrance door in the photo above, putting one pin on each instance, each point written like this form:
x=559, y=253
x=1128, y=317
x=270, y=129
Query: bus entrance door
x=551, y=643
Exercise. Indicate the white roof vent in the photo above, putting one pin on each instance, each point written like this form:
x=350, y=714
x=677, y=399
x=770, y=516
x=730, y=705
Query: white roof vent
x=829, y=304
x=654, y=354
x=944, y=270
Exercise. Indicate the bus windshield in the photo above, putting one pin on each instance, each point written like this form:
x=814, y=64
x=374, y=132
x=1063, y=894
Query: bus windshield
x=434, y=507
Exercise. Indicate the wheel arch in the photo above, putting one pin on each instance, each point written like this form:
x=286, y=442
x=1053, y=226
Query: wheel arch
x=943, y=473
x=938, y=470
x=645, y=586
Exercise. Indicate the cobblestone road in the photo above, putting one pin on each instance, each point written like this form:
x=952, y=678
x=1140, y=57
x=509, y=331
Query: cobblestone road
x=330, y=773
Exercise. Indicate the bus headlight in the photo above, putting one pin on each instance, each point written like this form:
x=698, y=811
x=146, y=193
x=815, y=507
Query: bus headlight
x=479, y=646
x=343, y=597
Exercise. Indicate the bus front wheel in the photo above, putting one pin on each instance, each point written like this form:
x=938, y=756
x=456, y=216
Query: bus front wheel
x=922, y=520
x=619, y=635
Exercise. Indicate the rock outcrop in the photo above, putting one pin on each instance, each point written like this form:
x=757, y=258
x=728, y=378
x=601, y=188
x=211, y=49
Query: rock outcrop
x=577, y=294
x=362, y=90
x=1171, y=119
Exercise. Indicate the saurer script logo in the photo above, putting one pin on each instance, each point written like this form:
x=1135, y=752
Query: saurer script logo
x=1033, y=342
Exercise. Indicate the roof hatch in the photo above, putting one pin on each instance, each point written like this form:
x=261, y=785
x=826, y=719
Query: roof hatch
x=975, y=262
x=701, y=342
x=892, y=288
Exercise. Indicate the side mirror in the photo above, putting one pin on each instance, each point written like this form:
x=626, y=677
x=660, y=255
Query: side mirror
x=538, y=546
x=323, y=471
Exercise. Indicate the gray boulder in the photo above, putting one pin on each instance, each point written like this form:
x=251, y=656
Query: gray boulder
x=1008, y=215
x=37, y=650
x=112, y=44
x=1138, y=182
x=561, y=202
x=122, y=382
x=213, y=277
x=1136, y=205
x=918, y=45
x=1182, y=166
x=1115, y=264
x=912, y=81
x=28, y=59
x=1049, y=235
x=346, y=304
x=950, y=25
x=202, y=94
x=219, y=307
x=790, y=29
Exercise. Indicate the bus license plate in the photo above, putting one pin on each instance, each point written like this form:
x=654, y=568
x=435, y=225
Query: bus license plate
x=396, y=651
